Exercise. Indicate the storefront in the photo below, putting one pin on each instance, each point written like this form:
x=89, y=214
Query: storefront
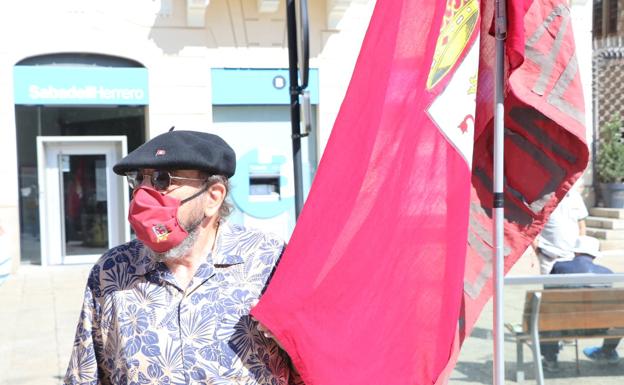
x=76, y=115
x=78, y=84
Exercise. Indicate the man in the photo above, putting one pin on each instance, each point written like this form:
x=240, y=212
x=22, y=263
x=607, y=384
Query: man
x=565, y=225
x=555, y=244
x=172, y=307
x=586, y=250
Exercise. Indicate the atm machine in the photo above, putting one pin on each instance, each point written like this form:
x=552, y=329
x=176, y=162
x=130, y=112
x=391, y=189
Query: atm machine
x=255, y=121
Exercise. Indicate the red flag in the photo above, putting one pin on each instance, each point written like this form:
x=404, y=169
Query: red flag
x=545, y=148
x=372, y=287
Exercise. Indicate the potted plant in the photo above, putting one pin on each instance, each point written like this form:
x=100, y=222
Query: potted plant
x=610, y=162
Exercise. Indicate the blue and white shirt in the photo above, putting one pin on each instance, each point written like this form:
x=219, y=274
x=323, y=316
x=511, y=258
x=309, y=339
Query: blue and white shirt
x=137, y=326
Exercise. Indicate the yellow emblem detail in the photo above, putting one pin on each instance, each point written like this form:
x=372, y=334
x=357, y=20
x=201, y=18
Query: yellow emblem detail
x=473, y=85
x=161, y=232
x=457, y=28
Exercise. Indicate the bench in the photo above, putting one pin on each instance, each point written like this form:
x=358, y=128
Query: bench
x=577, y=312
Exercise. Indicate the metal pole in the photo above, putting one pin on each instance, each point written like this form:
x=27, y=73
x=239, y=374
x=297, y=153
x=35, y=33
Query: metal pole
x=498, y=204
x=603, y=280
x=295, y=114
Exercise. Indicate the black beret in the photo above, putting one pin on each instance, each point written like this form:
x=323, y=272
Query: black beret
x=182, y=150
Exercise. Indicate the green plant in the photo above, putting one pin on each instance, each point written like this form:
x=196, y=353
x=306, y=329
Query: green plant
x=610, y=162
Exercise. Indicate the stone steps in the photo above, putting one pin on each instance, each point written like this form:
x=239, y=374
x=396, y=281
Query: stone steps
x=605, y=234
x=607, y=225
x=612, y=245
x=613, y=253
x=607, y=212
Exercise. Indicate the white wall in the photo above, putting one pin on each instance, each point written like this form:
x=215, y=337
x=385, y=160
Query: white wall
x=341, y=49
x=178, y=58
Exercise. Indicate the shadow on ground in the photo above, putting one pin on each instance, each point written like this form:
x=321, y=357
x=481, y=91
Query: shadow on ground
x=482, y=372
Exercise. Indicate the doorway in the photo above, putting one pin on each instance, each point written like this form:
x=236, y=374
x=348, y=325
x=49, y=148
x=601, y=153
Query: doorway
x=82, y=202
x=62, y=121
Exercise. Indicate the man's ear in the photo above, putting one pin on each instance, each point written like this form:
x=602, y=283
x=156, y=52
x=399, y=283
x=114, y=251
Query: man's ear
x=215, y=197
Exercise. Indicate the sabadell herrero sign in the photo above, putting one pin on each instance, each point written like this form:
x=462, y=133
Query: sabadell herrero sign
x=50, y=85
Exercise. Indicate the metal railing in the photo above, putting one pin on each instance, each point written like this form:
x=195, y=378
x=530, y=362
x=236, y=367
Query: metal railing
x=564, y=279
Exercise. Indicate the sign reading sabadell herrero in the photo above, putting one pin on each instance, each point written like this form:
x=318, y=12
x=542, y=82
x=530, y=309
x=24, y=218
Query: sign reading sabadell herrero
x=49, y=85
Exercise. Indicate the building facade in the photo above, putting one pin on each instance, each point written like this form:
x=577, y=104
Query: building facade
x=82, y=83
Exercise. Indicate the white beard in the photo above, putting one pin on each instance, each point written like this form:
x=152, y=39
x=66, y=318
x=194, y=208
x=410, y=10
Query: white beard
x=183, y=248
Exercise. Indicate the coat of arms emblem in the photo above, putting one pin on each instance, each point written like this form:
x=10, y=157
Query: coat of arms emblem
x=161, y=232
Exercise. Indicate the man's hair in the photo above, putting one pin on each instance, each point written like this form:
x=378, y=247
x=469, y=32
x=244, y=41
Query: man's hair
x=226, y=207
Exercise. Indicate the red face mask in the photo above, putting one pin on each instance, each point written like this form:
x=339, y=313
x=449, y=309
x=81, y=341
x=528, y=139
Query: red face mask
x=154, y=218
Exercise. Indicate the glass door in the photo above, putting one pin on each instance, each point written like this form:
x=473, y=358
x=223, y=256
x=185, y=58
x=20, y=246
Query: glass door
x=83, y=214
x=84, y=204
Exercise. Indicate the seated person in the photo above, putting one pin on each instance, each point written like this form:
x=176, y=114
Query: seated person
x=585, y=251
x=564, y=226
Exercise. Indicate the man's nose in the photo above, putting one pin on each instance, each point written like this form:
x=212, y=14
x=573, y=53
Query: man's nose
x=147, y=180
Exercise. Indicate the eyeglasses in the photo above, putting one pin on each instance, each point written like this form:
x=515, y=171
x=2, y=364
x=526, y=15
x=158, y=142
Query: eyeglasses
x=160, y=179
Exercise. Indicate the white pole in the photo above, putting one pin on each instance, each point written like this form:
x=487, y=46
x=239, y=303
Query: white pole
x=499, y=136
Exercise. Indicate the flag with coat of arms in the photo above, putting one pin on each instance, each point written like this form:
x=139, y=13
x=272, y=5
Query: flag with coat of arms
x=390, y=262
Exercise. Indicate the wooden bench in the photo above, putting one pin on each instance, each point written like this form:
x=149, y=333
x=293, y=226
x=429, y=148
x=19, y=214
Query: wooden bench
x=577, y=312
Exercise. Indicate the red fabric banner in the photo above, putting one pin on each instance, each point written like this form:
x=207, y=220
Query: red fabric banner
x=545, y=147
x=387, y=269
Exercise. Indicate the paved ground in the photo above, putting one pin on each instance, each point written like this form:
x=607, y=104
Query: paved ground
x=39, y=308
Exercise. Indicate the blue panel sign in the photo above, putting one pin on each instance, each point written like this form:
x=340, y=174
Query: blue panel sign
x=254, y=86
x=80, y=85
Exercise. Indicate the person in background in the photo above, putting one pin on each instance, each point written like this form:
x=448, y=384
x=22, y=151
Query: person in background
x=172, y=306
x=563, y=248
x=587, y=249
x=559, y=235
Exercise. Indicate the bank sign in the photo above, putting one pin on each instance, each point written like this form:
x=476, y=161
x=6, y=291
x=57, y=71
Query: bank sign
x=53, y=85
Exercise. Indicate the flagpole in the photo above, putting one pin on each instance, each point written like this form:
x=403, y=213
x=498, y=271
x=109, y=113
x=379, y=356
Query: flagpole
x=498, y=204
x=298, y=73
x=295, y=113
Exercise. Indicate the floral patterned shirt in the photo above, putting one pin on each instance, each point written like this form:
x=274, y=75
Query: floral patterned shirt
x=137, y=326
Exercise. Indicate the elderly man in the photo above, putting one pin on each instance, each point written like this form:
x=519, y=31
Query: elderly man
x=172, y=307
